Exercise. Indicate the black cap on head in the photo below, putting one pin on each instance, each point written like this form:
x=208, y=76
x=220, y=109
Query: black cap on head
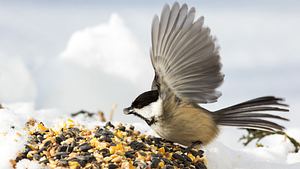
x=145, y=99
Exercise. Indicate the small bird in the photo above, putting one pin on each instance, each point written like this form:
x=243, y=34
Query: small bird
x=187, y=68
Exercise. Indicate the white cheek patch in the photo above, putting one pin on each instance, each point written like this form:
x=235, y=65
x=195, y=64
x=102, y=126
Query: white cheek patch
x=156, y=107
x=153, y=109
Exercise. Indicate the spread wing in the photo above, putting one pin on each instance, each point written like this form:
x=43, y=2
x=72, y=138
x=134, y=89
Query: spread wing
x=184, y=56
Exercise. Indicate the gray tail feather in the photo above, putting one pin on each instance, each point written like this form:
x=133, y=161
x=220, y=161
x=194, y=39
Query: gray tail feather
x=251, y=114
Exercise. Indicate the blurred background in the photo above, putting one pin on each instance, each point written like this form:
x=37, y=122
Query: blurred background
x=73, y=55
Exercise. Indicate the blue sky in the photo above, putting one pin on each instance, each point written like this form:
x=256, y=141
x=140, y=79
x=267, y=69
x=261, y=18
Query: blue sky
x=44, y=60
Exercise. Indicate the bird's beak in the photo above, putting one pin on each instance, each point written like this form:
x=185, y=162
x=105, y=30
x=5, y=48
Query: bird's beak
x=128, y=110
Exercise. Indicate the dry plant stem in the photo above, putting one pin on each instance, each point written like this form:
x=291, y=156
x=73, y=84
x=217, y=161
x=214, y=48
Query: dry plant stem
x=112, y=112
x=101, y=116
x=257, y=135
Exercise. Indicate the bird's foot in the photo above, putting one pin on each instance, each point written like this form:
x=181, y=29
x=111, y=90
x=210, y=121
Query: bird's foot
x=195, y=144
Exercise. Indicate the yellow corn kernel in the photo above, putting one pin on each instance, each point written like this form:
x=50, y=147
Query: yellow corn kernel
x=30, y=154
x=86, y=133
x=31, y=146
x=161, y=164
x=162, y=150
x=197, y=158
x=70, y=123
x=94, y=142
x=116, y=159
x=170, y=156
x=131, y=165
x=41, y=127
x=119, y=147
x=54, y=132
x=74, y=164
x=114, y=156
x=31, y=132
x=112, y=149
x=191, y=156
x=119, y=134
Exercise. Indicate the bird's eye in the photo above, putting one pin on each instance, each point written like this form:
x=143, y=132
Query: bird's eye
x=139, y=106
x=136, y=105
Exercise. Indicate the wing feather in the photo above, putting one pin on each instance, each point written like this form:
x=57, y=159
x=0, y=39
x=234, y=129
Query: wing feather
x=184, y=56
x=178, y=25
x=185, y=27
x=163, y=26
x=172, y=19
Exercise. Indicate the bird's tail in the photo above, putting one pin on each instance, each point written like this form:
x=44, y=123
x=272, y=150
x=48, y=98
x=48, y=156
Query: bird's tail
x=253, y=114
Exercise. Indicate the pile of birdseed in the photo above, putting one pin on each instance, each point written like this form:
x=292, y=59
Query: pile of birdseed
x=74, y=146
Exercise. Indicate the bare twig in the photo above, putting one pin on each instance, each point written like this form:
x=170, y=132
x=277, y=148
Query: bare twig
x=89, y=114
x=257, y=135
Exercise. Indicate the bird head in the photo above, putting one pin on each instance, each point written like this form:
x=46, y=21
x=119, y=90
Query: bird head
x=146, y=106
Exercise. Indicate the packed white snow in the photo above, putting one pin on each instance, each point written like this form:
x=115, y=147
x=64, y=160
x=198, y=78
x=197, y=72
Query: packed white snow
x=278, y=152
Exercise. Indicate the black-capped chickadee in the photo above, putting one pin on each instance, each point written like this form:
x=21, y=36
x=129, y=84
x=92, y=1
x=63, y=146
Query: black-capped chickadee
x=187, y=69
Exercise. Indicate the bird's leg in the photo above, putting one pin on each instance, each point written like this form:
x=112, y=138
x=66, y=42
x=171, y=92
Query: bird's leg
x=195, y=144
